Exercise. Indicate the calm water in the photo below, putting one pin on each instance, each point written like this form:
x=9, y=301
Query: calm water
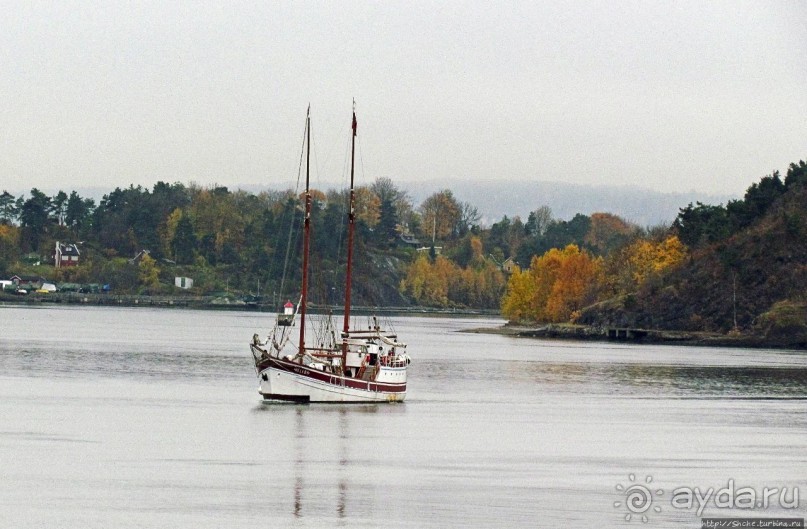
x=151, y=418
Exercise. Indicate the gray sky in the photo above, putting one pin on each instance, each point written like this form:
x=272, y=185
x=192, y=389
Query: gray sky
x=677, y=95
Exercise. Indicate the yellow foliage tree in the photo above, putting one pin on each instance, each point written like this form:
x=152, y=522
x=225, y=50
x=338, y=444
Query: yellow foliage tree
x=518, y=300
x=216, y=213
x=556, y=284
x=149, y=272
x=424, y=283
x=368, y=206
x=170, y=229
x=477, y=251
x=443, y=283
x=647, y=259
x=670, y=253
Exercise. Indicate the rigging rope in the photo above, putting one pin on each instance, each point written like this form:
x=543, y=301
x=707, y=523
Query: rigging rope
x=293, y=214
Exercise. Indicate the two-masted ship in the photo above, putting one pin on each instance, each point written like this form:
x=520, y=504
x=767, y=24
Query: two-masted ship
x=360, y=365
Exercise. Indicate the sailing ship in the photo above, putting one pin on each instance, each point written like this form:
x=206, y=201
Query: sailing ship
x=361, y=365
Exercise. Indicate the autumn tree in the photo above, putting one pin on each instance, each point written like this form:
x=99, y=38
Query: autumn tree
x=608, y=232
x=575, y=286
x=219, y=223
x=442, y=283
x=631, y=267
x=646, y=258
x=424, y=283
x=518, y=303
x=149, y=272
x=367, y=206
x=556, y=285
x=440, y=214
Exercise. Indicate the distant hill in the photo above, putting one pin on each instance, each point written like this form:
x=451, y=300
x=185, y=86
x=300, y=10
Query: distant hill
x=644, y=207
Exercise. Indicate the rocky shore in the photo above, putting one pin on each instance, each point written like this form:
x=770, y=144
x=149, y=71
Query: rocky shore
x=628, y=335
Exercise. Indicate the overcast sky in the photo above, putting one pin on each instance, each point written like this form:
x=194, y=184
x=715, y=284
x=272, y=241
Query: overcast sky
x=672, y=96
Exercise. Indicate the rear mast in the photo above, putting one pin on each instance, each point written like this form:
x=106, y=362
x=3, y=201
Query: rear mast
x=350, y=229
x=306, y=235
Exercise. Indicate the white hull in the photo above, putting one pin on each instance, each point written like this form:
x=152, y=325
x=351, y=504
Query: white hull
x=283, y=385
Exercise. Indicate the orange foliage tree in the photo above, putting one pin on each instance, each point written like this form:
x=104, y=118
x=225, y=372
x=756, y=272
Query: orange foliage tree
x=556, y=285
x=440, y=214
x=608, y=232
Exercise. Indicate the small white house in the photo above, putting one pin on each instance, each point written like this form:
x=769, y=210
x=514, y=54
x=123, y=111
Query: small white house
x=183, y=282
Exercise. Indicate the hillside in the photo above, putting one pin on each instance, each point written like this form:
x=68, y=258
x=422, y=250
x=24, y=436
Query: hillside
x=747, y=268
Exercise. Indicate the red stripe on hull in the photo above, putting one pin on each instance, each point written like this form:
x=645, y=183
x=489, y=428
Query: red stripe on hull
x=334, y=380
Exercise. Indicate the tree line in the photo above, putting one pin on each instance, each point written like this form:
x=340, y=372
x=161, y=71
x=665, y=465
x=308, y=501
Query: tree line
x=688, y=275
x=226, y=240
x=435, y=253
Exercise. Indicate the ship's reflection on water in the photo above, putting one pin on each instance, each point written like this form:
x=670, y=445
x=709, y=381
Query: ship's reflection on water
x=317, y=454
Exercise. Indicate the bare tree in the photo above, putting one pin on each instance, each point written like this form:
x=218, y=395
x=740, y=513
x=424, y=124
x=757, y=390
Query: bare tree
x=538, y=221
x=469, y=217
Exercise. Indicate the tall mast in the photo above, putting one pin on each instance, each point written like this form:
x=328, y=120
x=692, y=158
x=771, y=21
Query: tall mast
x=306, y=234
x=350, y=229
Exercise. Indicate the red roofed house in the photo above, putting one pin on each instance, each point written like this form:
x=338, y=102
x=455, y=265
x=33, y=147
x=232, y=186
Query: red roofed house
x=65, y=255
